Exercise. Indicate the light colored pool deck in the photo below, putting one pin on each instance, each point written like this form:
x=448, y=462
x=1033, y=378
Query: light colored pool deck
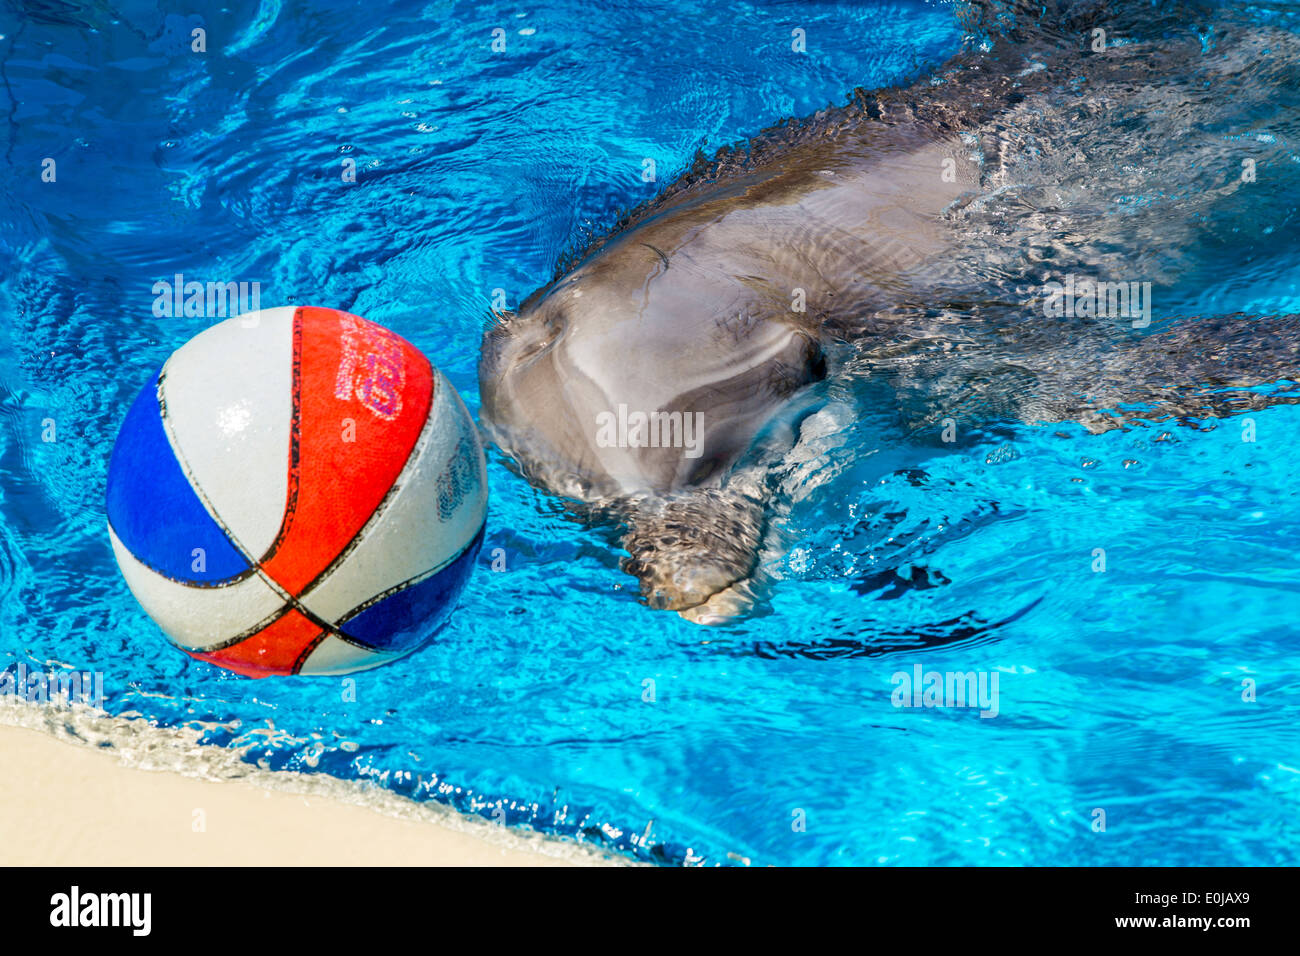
x=65, y=802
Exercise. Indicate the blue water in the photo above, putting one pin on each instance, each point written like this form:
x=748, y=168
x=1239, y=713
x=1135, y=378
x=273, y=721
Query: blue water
x=1119, y=690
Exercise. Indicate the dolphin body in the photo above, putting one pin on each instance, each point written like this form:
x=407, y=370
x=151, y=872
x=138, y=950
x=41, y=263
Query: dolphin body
x=661, y=381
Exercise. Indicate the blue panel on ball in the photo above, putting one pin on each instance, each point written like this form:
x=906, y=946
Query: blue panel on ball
x=406, y=618
x=153, y=508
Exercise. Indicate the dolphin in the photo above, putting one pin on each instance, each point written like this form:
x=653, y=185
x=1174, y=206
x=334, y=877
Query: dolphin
x=663, y=377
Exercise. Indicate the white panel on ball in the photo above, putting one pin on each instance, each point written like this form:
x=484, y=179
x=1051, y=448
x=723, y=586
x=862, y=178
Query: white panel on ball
x=336, y=656
x=229, y=399
x=193, y=617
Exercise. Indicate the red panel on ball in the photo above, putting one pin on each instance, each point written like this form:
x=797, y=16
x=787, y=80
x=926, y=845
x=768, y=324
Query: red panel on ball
x=361, y=398
x=275, y=649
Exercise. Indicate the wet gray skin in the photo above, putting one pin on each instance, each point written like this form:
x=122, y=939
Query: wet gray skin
x=863, y=242
x=690, y=314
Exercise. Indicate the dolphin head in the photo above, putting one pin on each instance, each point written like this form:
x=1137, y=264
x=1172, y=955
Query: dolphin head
x=635, y=384
x=627, y=377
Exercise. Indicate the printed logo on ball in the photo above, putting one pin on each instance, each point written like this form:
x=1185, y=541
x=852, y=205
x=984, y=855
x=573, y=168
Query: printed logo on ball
x=371, y=369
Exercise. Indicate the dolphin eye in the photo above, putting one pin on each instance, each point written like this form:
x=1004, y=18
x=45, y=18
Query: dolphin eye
x=542, y=334
x=556, y=323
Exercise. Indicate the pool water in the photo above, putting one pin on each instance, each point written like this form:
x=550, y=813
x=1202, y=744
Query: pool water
x=553, y=700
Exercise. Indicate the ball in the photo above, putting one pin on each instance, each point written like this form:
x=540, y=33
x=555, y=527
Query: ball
x=297, y=491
